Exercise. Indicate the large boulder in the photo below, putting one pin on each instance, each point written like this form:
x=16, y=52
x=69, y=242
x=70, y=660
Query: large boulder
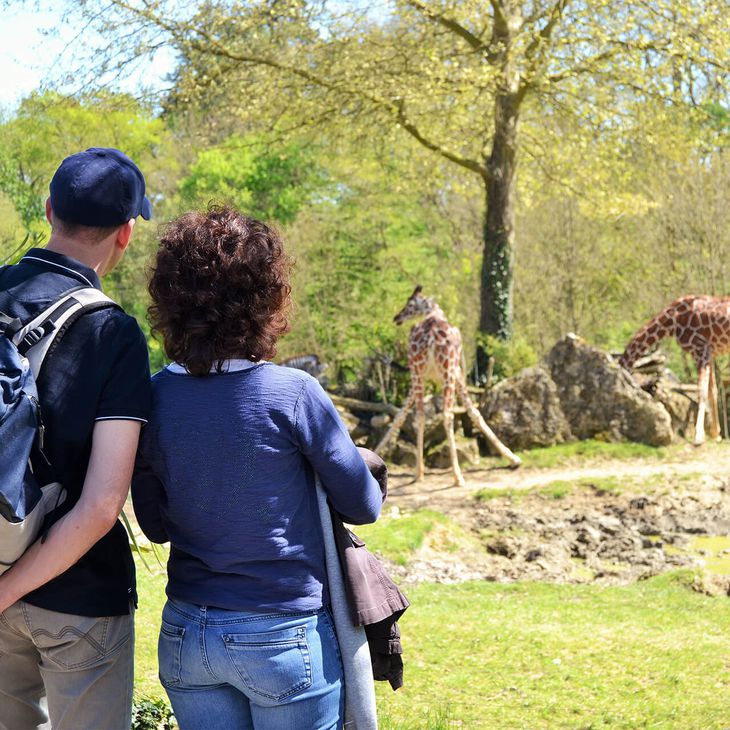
x=525, y=412
x=434, y=431
x=601, y=400
x=680, y=404
x=467, y=453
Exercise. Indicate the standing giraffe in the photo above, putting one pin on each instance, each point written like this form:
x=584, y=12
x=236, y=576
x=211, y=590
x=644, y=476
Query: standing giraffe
x=434, y=350
x=701, y=326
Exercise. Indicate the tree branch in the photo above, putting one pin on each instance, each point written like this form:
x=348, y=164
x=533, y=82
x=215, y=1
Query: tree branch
x=544, y=35
x=464, y=162
x=474, y=41
x=535, y=50
x=182, y=34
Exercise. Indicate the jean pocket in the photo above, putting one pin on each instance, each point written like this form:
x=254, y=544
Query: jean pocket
x=273, y=664
x=169, y=653
x=76, y=642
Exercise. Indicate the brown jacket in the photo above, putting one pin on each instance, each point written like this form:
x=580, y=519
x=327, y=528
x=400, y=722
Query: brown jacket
x=374, y=599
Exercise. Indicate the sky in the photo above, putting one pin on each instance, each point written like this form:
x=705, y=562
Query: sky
x=33, y=49
x=33, y=52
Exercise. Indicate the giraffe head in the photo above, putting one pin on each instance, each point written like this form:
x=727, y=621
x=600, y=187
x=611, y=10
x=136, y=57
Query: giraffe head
x=416, y=306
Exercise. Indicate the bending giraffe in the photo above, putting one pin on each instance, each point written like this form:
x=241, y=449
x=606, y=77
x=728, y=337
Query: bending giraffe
x=434, y=350
x=701, y=326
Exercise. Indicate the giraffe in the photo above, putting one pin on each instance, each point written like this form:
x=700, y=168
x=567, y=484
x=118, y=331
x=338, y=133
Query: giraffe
x=434, y=350
x=701, y=326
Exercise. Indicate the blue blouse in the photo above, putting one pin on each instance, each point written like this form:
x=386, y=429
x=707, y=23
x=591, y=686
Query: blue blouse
x=225, y=473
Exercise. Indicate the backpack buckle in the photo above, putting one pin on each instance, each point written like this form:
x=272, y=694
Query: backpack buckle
x=34, y=337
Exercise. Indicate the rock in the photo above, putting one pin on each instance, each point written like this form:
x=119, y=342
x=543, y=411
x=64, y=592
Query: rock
x=589, y=535
x=712, y=585
x=609, y=524
x=681, y=407
x=401, y=453
x=524, y=411
x=467, y=452
x=380, y=421
x=434, y=431
x=504, y=546
x=601, y=400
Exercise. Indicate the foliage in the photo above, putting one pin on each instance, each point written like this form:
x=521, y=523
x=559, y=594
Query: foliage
x=152, y=713
x=509, y=357
x=360, y=252
x=263, y=181
x=619, y=203
x=48, y=127
x=476, y=84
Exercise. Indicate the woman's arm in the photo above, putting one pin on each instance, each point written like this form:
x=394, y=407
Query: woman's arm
x=147, y=496
x=324, y=440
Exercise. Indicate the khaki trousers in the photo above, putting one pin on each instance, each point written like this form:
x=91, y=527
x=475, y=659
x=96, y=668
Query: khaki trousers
x=65, y=672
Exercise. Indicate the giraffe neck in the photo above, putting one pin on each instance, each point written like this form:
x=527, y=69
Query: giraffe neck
x=436, y=312
x=660, y=327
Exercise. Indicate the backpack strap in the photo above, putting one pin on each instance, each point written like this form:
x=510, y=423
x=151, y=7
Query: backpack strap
x=36, y=339
x=9, y=325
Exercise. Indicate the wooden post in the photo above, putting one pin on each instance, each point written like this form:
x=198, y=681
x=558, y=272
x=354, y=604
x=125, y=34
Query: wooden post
x=722, y=393
x=381, y=381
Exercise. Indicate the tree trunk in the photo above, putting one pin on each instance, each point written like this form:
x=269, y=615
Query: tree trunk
x=499, y=221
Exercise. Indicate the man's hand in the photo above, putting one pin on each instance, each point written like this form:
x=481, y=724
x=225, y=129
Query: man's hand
x=113, y=447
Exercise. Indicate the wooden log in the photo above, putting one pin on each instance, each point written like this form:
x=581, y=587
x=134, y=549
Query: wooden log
x=363, y=405
x=685, y=388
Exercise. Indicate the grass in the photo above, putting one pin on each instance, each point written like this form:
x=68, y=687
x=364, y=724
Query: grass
x=151, y=589
x=496, y=657
x=558, y=489
x=561, y=454
x=398, y=537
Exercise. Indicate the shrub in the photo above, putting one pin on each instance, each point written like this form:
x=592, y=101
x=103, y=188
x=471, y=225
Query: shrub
x=152, y=713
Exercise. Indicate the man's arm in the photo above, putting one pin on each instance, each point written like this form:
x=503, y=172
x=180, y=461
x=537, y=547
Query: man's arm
x=113, y=447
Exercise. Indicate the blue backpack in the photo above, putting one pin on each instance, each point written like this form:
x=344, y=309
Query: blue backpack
x=24, y=501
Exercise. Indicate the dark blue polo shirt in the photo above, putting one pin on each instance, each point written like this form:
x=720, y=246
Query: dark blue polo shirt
x=99, y=371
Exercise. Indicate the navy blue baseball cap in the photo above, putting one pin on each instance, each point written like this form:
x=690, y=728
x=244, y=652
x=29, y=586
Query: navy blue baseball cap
x=100, y=187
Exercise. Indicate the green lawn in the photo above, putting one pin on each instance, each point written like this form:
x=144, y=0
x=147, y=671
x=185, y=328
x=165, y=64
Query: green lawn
x=590, y=450
x=484, y=655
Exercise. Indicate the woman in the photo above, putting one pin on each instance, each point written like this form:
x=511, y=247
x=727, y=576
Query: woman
x=225, y=472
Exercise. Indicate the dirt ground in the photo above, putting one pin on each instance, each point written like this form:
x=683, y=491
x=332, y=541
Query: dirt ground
x=652, y=518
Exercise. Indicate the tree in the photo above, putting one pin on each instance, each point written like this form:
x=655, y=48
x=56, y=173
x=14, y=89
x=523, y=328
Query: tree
x=263, y=181
x=468, y=80
x=48, y=127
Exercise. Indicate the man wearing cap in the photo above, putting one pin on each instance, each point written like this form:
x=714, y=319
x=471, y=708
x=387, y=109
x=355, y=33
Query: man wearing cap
x=66, y=627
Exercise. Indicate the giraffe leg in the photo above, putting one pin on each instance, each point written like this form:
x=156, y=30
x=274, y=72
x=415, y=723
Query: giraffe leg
x=449, y=399
x=420, y=425
x=714, y=410
x=398, y=422
x=481, y=424
x=703, y=369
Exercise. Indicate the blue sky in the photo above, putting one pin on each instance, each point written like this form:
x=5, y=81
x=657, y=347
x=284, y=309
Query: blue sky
x=33, y=48
x=33, y=51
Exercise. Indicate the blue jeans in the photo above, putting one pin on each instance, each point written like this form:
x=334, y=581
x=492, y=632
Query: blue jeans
x=240, y=671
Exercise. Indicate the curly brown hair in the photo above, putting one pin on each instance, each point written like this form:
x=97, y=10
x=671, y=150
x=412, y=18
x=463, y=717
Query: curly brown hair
x=220, y=289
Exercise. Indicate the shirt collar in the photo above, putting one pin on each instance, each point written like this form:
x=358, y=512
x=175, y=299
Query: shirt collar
x=229, y=366
x=54, y=261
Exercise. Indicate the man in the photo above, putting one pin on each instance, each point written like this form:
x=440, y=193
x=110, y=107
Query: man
x=66, y=627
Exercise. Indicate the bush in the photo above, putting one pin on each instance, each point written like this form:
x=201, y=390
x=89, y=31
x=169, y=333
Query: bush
x=152, y=713
x=509, y=357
